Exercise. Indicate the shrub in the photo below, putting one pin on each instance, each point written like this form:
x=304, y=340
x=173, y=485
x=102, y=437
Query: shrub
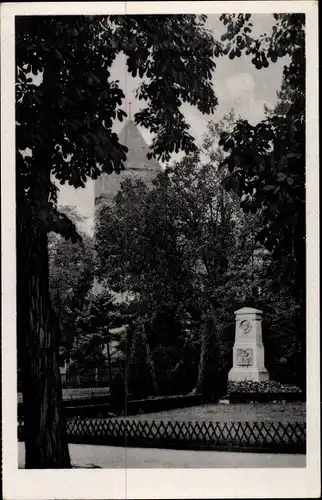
x=265, y=387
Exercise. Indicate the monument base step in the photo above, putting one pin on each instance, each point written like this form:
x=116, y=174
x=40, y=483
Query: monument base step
x=239, y=375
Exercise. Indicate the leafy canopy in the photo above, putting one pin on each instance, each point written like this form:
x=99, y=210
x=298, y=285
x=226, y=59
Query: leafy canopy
x=178, y=247
x=66, y=120
x=265, y=166
x=266, y=162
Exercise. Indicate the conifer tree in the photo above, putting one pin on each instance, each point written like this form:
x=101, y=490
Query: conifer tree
x=141, y=380
x=209, y=382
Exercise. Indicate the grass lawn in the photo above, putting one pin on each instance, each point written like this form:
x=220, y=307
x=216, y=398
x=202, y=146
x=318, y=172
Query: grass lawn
x=260, y=412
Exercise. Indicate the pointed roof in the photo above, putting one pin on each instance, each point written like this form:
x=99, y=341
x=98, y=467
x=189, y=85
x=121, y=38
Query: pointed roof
x=137, y=158
x=137, y=164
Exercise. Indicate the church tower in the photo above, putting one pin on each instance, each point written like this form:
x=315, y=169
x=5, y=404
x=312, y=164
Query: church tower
x=137, y=165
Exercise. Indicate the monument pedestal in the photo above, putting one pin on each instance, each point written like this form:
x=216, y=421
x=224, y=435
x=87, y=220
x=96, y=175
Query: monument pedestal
x=248, y=351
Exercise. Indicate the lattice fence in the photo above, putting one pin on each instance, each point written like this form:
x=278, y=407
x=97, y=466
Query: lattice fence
x=238, y=436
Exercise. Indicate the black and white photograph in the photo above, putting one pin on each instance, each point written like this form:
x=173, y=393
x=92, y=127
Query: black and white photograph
x=160, y=172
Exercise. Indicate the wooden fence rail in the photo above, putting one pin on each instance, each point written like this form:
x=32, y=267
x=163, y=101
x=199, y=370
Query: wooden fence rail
x=274, y=437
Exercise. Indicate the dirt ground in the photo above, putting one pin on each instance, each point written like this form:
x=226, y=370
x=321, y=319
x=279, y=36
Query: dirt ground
x=112, y=457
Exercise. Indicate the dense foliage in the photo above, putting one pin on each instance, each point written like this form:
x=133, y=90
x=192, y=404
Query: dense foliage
x=71, y=277
x=184, y=251
x=93, y=332
x=181, y=249
x=141, y=380
x=268, y=386
x=266, y=162
x=81, y=102
x=66, y=104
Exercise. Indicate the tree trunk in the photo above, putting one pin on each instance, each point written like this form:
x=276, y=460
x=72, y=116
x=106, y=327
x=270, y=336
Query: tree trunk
x=38, y=340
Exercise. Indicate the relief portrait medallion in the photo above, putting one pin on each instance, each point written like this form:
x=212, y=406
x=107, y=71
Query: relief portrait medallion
x=245, y=326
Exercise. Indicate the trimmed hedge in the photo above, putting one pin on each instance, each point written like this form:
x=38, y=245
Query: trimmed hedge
x=162, y=403
x=105, y=408
x=268, y=390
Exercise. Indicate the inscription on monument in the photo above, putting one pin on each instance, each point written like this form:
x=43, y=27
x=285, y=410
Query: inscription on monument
x=244, y=357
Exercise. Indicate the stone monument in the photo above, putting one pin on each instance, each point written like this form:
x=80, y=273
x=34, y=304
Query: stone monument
x=248, y=351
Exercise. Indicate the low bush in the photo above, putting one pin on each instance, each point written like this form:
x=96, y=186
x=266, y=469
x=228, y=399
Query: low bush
x=265, y=387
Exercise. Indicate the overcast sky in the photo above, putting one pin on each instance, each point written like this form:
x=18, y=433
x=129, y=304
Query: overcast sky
x=237, y=83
